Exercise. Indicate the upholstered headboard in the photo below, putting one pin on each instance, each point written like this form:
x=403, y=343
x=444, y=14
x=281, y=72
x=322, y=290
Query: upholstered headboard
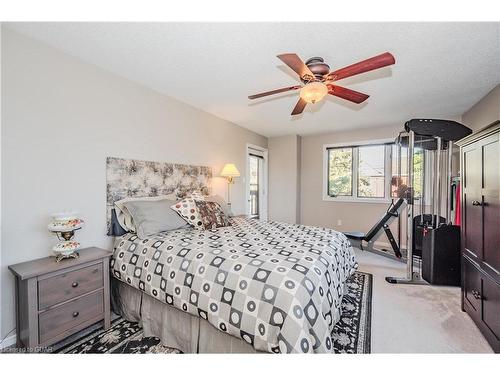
x=138, y=178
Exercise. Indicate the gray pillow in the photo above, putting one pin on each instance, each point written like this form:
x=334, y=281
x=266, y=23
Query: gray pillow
x=222, y=203
x=151, y=217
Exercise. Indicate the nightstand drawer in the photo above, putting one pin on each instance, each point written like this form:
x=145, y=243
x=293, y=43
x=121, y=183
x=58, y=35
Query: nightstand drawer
x=69, y=285
x=57, y=321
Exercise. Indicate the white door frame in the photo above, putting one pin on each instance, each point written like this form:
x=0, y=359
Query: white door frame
x=264, y=207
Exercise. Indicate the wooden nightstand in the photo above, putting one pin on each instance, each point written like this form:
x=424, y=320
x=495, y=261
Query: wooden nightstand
x=56, y=300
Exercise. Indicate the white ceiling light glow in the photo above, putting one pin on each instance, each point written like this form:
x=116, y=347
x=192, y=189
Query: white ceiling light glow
x=313, y=92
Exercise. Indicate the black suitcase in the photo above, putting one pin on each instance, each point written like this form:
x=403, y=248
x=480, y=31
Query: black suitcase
x=441, y=255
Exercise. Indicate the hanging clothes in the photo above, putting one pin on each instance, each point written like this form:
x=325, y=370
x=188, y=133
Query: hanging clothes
x=458, y=216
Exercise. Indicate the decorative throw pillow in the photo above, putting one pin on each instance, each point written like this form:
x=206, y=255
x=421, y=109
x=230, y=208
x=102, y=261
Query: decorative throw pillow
x=189, y=211
x=222, y=203
x=212, y=215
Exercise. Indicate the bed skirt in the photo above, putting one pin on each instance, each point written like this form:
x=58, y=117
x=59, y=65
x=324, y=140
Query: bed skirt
x=175, y=328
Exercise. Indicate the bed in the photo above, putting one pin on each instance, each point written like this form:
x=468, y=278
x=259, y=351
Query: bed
x=252, y=286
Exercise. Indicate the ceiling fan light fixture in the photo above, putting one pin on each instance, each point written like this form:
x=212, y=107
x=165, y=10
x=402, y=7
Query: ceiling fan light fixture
x=313, y=92
x=318, y=80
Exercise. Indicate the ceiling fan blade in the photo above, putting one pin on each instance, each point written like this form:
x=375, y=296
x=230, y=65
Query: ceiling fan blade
x=274, y=92
x=373, y=63
x=299, y=107
x=298, y=66
x=347, y=94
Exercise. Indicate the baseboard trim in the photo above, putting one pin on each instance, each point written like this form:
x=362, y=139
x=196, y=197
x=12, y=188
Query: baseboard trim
x=8, y=341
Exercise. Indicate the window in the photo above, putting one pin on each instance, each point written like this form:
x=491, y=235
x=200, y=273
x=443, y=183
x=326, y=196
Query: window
x=340, y=172
x=369, y=172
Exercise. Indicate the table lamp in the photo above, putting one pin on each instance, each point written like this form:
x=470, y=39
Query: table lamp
x=64, y=226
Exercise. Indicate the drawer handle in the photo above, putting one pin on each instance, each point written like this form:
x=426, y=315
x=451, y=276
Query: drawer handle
x=75, y=314
x=476, y=203
x=476, y=294
x=74, y=285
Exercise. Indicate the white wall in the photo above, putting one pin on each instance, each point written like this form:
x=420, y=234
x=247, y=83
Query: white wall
x=484, y=112
x=284, y=178
x=61, y=119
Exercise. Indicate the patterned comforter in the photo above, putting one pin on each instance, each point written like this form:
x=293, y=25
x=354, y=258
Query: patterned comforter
x=277, y=286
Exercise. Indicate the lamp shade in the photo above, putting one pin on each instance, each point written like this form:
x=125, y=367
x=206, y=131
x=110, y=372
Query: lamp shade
x=230, y=170
x=313, y=92
x=65, y=222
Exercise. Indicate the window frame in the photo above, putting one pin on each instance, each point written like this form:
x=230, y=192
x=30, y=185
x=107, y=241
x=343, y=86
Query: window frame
x=355, y=171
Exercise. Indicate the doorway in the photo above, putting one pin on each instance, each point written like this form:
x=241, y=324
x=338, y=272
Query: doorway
x=256, y=182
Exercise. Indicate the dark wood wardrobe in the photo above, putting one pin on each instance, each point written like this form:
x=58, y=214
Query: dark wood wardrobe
x=480, y=193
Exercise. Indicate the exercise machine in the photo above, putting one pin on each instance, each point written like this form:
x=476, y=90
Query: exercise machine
x=430, y=238
x=382, y=225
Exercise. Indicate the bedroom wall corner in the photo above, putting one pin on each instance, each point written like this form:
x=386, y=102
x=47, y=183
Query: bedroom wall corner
x=284, y=178
x=298, y=181
x=484, y=112
x=61, y=118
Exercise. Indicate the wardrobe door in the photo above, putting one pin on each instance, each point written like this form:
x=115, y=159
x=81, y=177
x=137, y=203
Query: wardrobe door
x=490, y=311
x=472, y=200
x=491, y=205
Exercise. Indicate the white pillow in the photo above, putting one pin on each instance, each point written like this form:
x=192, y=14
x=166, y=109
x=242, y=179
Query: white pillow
x=123, y=215
x=152, y=217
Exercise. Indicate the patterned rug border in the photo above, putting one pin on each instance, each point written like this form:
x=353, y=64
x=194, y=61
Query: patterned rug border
x=362, y=344
x=367, y=302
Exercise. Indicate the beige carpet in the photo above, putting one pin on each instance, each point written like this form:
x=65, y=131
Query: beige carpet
x=417, y=319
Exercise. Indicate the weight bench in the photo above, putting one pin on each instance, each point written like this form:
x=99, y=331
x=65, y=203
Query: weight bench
x=381, y=226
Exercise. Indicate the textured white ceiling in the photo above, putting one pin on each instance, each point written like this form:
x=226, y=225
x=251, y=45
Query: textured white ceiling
x=441, y=69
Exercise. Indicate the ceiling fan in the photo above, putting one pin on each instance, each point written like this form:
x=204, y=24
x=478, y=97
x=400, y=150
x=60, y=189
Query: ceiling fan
x=318, y=80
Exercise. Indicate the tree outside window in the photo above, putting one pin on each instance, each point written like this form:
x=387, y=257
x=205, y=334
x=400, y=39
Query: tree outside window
x=340, y=172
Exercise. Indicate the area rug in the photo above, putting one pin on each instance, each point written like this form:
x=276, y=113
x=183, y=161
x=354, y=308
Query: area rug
x=350, y=335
